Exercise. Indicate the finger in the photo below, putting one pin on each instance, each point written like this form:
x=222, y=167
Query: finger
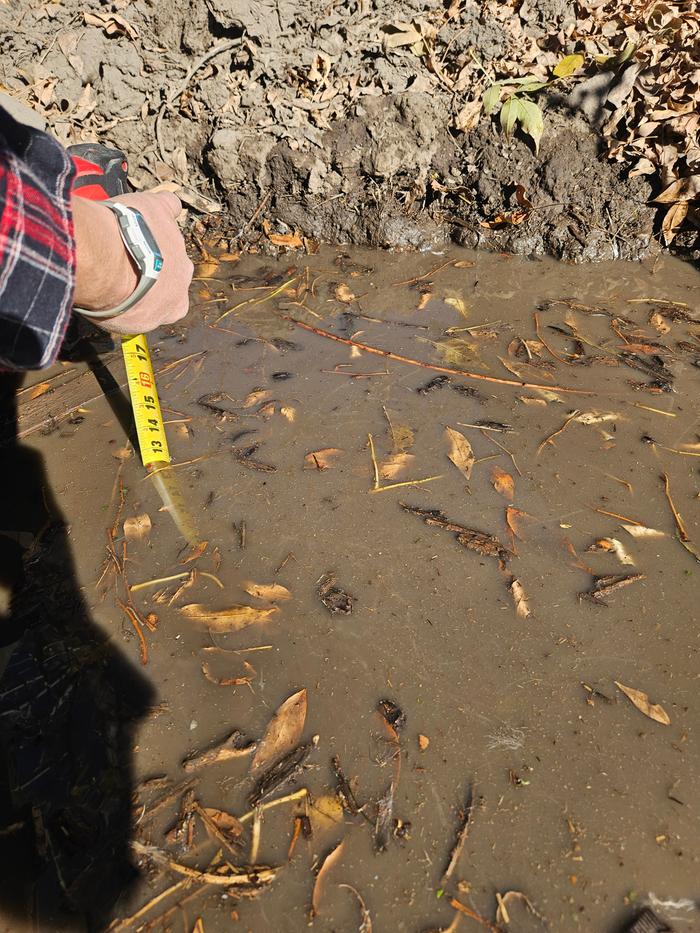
x=171, y=202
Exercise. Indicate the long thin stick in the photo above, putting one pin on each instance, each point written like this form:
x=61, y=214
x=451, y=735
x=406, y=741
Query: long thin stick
x=438, y=369
x=461, y=836
x=548, y=440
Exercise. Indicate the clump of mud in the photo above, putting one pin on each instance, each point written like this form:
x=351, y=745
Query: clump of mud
x=326, y=122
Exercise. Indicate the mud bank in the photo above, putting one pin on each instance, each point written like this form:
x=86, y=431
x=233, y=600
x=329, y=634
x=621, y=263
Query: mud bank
x=361, y=124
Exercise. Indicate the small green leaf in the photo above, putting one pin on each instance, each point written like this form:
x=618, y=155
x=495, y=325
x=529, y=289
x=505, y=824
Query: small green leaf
x=534, y=86
x=510, y=113
x=532, y=121
x=490, y=98
x=439, y=893
x=568, y=65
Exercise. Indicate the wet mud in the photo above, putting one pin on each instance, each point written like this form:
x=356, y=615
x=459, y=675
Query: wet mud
x=450, y=611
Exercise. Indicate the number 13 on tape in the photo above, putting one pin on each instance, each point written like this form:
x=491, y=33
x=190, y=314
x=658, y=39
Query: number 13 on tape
x=144, y=401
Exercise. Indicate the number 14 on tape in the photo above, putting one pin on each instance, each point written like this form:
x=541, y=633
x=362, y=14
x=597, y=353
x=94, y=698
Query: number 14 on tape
x=144, y=401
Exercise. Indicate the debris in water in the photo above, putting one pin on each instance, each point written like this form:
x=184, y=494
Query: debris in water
x=503, y=483
x=502, y=915
x=333, y=598
x=682, y=534
x=345, y=791
x=604, y=586
x=137, y=527
x=365, y=918
x=385, y=812
x=423, y=742
x=283, y=732
x=463, y=832
x=272, y=592
x=284, y=770
x=478, y=541
x=227, y=620
x=522, y=608
x=324, y=867
x=612, y=545
x=461, y=453
x=641, y=701
x=235, y=746
x=324, y=459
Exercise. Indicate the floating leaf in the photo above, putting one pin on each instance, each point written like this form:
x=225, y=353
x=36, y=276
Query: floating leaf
x=615, y=547
x=288, y=412
x=343, y=293
x=137, y=527
x=227, y=620
x=568, y=65
x=38, y=390
x=256, y=396
x=326, y=812
x=272, y=592
x=224, y=824
x=323, y=459
x=423, y=742
x=519, y=599
x=195, y=553
x=461, y=453
x=283, y=732
x=641, y=701
x=641, y=531
x=325, y=866
x=458, y=302
x=503, y=483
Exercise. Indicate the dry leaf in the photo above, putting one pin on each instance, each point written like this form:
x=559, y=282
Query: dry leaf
x=323, y=459
x=326, y=865
x=273, y=592
x=283, y=732
x=227, y=620
x=222, y=824
x=423, y=742
x=343, y=293
x=503, y=483
x=461, y=453
x=113, y=24
x=195, y=553
x=257, y=395
x=529, y=400
x=137, y=527
x=288, y=412
x=641, y=701
x=205, y=270
x=458, y=302
x=394, y=465
x=659, y=324
x=641, y=531
x=38, y=390
x=290, y=240
x=518, y=593
x=515, y=519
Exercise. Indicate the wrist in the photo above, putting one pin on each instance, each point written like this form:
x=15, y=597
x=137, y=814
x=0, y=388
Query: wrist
x=105, y=273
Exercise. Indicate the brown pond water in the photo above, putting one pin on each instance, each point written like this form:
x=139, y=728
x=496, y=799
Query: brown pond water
x=580, y=801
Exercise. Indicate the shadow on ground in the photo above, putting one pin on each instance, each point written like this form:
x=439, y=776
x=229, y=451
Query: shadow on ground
x=69, y=705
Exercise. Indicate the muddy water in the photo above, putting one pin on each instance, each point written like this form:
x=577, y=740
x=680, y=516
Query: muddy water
x=580, y=801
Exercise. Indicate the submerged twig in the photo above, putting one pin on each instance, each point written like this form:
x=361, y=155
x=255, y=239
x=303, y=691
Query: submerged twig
x=466, y=374
x=461, y=836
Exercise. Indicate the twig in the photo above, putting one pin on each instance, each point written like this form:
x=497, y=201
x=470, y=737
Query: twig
x=132, y=616
x=439, y=369
x=461, y=836
x=375, y=466
x=377, y=487
x=257, y=301
x=683, y=535
x=297, y=795
x=256, y=836
x=135, y=587
x=127, y=921
x=504, y=449
x=468, y=912
x=544, y=343
x=426, y=275
x=254, y=874
x=657, y=411
x=548, y=440
x=624, y=518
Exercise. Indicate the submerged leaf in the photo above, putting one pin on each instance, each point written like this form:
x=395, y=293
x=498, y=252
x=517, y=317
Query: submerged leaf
x=461, y=453
x=503, y=483
x=272, y=592
x=519, y=599
x=641, y=701
x=323, y=459
x=232, y=619
x=394, y=465
x=137, y=527
x=283, y=732
x=343, y=293
x=328, y=862
x=641, y=531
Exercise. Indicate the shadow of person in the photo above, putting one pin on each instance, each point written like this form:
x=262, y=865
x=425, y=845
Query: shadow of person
x=69, y=706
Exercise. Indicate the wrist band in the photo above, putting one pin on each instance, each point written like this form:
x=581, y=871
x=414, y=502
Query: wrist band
x=143, y=249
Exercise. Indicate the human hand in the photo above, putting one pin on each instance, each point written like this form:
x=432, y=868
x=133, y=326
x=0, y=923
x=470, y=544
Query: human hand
x=106, y=274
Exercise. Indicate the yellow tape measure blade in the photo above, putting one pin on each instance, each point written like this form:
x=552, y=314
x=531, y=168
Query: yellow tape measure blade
x=144, y=401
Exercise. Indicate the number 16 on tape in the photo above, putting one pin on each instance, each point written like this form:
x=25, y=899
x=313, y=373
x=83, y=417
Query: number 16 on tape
x=144, y=401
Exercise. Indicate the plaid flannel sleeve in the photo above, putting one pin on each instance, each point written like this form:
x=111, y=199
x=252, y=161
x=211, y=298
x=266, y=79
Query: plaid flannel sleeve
x=37, y=247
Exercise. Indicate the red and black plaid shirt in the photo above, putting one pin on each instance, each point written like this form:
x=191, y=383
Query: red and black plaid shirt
x=37, y=248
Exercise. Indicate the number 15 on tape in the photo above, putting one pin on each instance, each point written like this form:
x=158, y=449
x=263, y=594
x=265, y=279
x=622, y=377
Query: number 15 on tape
x=144, y=401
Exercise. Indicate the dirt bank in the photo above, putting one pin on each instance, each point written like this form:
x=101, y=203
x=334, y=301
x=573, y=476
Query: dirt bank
x=364, y=123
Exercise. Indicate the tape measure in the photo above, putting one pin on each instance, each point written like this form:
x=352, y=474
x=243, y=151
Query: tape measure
x=144, y=401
